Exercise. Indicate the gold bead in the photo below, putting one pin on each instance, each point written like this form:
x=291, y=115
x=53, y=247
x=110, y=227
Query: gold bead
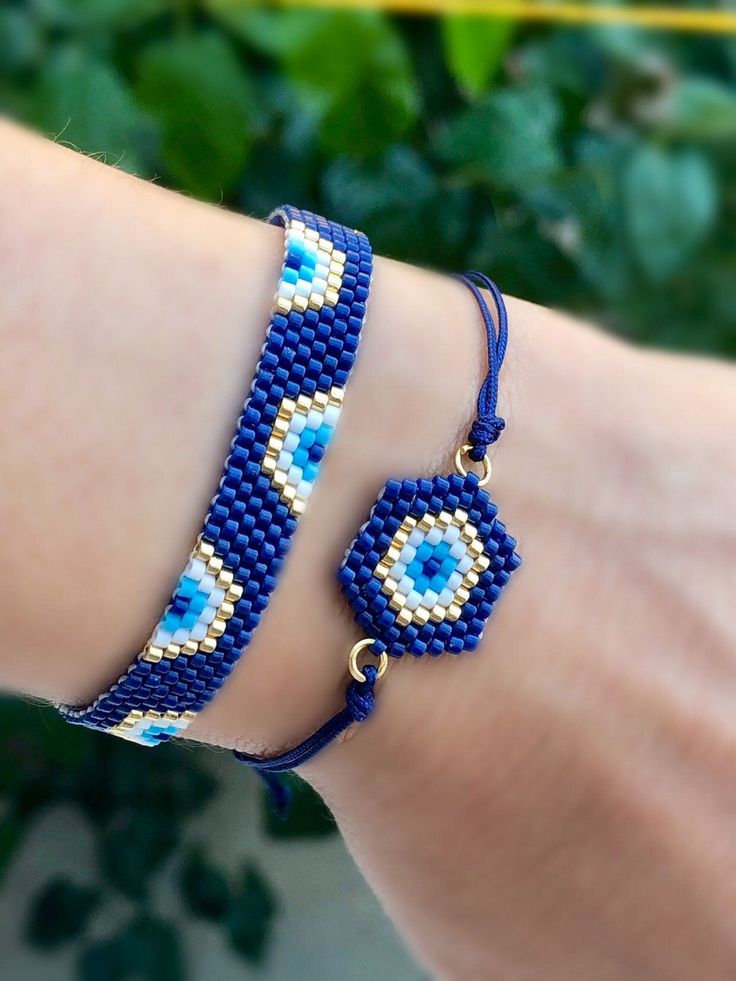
x=152, y=654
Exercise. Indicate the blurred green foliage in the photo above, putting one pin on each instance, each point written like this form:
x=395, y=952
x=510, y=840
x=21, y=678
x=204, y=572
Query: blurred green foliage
x=592, y=169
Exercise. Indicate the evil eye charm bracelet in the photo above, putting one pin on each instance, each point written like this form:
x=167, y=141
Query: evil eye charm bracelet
x=422, y=574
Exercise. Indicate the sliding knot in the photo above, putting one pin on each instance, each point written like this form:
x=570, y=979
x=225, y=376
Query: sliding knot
x=483, y=432
x=360, y=697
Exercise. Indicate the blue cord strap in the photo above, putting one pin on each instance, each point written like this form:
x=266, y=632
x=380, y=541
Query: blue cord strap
x=426, y=568
x=359, y=703
x=488, y=426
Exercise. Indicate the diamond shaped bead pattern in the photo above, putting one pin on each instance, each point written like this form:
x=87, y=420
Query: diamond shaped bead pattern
x=425, y=570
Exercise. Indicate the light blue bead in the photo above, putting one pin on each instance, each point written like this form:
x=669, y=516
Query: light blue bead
x=438, y=583
x=290, y=275
x=171, y=622
x=301, y=457
x=324, y=434
x=424, y=552
x=441, y=550
x=414, y=569
x=307, y=438
x=422, y=585
x=448, y=566
x=187, y=587
x=310, y=471
x=197, y=603
x=188, y=620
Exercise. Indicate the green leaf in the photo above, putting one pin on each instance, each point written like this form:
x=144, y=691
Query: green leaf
x=699, y=109
x=204, y=888
x=104, y=960
x=273, y=32
x=83, y=101
x=59, y=913
x=474, y=48
x=308, y=816
x=196, y=88
x=134, y=847
x=508, y=139
x=12, y=831
x=670, y=203
x=90, y=15
x=20, y=41
x=251, y=914
x=146, y=949
x=353, y=71
x=152, y=950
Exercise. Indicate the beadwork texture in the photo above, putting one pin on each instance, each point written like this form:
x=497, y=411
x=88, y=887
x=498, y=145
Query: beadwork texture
x=424, y=571
x=281, y=437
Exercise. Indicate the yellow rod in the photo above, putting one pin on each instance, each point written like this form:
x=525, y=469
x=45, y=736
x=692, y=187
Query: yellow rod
x=707, y=21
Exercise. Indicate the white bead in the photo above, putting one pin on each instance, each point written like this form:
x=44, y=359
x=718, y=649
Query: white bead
x=297, y=423
x=458, y=549
x=319, y=285
x=198, y=632
x=398, y=570
x=304, y=489
x=208, y=614
x=429, y=599
x=465, y=564
x=291, y=441
x=406, y=586
x=180, y=636
x=284, y=461
x=451, y=534
x=196, y=569
x=294, y=475
x=434, y=536
x=454, y=580
x=446, y=597
x=331, y=415
x=216, y=597
x=287, y=290
x=161, y=637
x=407, y=554
x=416, y=538
x=302, y=287
x=322, y=270
x=314, y=419
x=207, y=584
x=413, y=599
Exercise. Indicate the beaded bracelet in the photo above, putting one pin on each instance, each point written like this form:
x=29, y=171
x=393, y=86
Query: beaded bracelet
x=288, y=420
x=426, y=568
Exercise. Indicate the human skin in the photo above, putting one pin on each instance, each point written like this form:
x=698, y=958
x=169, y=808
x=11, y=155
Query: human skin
x=557, y=805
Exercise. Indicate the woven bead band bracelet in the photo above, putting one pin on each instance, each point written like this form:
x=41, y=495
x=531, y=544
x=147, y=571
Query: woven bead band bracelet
x=288, y=419
x=426, y=568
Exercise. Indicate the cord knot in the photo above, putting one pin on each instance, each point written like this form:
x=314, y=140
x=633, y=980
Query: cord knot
x=360, y=697
x=483, y=432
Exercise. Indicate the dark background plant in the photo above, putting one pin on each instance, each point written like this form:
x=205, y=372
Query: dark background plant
x=591, y=169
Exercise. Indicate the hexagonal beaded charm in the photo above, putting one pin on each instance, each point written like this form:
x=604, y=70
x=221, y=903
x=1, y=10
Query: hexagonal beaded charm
x=425, y=570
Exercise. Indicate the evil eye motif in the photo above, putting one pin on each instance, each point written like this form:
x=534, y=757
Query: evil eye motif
x=300, y=434
x=151, y=728
x=313, y=271
x=426, y=568
x=199, y=610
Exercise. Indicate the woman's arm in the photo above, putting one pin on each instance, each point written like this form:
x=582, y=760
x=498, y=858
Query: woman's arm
x=558, y=805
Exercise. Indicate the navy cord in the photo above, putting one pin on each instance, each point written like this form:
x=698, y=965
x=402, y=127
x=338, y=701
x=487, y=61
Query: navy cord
x=359, y=703
x=488, y=426
x=360, y=695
